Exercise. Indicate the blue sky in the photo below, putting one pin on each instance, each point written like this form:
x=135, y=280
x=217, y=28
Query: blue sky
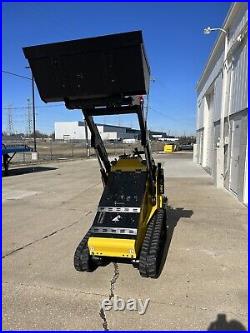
x=176, y=48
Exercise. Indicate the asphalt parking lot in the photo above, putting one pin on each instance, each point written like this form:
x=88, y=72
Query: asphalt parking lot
x=46, y=211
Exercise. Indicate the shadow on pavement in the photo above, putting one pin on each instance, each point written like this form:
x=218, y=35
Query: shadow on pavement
x=30, y=169
x=173, y=217
x=221, y=324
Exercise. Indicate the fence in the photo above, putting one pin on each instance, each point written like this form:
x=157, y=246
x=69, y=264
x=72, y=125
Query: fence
x=49, y=150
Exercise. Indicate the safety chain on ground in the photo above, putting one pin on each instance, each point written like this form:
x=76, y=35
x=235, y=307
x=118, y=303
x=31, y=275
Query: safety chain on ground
x=111, y=295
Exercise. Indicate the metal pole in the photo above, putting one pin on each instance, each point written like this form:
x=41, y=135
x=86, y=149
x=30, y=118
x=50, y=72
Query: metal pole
x=51, y=154
x=220, y=178
x=34, y=112
x=87, y=138
x=220, y=162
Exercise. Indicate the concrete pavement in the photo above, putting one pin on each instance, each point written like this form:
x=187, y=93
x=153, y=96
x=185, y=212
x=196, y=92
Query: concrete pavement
x=46, y=213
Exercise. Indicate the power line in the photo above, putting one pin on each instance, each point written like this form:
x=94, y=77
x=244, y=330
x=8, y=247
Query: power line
x=165, y=115
x=37, y=107
x=17, y=75
x=172, y=118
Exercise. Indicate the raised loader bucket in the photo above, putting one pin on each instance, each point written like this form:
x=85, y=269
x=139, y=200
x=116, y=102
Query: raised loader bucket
x=106, y=67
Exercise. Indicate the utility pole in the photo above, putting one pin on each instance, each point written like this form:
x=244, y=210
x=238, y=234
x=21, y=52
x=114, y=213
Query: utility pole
x=34, y=112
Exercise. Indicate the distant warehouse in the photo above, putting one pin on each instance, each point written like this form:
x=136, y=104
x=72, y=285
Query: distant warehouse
x=222, y=106
x=76, y=131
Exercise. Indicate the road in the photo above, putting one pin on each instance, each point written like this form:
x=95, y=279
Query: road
x=46, y=213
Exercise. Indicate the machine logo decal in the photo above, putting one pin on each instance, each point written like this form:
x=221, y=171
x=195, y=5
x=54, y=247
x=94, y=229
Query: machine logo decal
x=117, y=218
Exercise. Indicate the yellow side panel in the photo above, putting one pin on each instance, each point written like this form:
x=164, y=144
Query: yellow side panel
x=112, y=247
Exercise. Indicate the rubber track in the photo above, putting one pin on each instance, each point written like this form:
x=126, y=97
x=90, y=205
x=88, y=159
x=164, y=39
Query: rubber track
x=150, y=251
x=81, y=257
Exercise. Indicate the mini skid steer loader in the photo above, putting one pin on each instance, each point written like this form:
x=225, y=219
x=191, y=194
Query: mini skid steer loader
x=109, y=75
